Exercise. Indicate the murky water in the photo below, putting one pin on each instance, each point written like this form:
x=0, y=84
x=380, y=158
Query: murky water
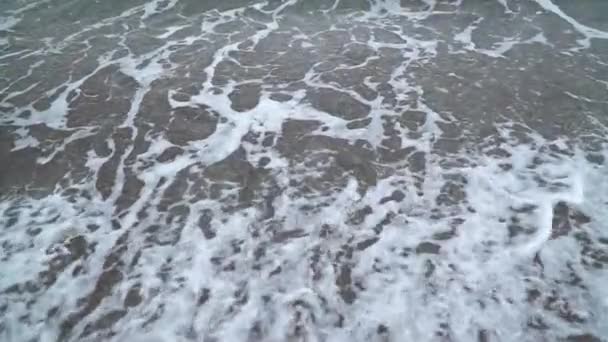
x=304, y=170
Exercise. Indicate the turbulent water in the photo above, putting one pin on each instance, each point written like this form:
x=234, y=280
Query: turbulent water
x=304, y=170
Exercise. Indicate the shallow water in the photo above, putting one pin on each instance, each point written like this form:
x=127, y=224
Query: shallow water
x=303, y=170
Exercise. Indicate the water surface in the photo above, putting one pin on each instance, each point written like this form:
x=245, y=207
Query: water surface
x=303, y=170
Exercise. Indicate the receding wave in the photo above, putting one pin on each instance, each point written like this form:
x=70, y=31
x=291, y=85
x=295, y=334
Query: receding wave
x=303, y=170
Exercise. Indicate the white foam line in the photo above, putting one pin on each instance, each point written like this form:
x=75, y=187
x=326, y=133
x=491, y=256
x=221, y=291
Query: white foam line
x=17, y=53
x=333, y=7
x=498, y=49
x=55, y=115
x=144, y=78
x=465, y=36
x=30, y=70
x=586, y=31
x=104, y=22
x=152, y=8
x=386, y=8
x=236, y=127
x=28, y=7
x=505, y=5
x=583, y=98
x=412, y=305
x=19, y=92
x=171, y=30
x=77, y=135
x=602, y=82
x=7, y=23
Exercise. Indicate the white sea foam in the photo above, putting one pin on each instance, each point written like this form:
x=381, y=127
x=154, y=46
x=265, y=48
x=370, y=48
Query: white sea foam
x=457, y=257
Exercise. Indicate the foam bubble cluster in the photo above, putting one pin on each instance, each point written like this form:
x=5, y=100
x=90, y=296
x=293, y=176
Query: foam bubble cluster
x=303, y=170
